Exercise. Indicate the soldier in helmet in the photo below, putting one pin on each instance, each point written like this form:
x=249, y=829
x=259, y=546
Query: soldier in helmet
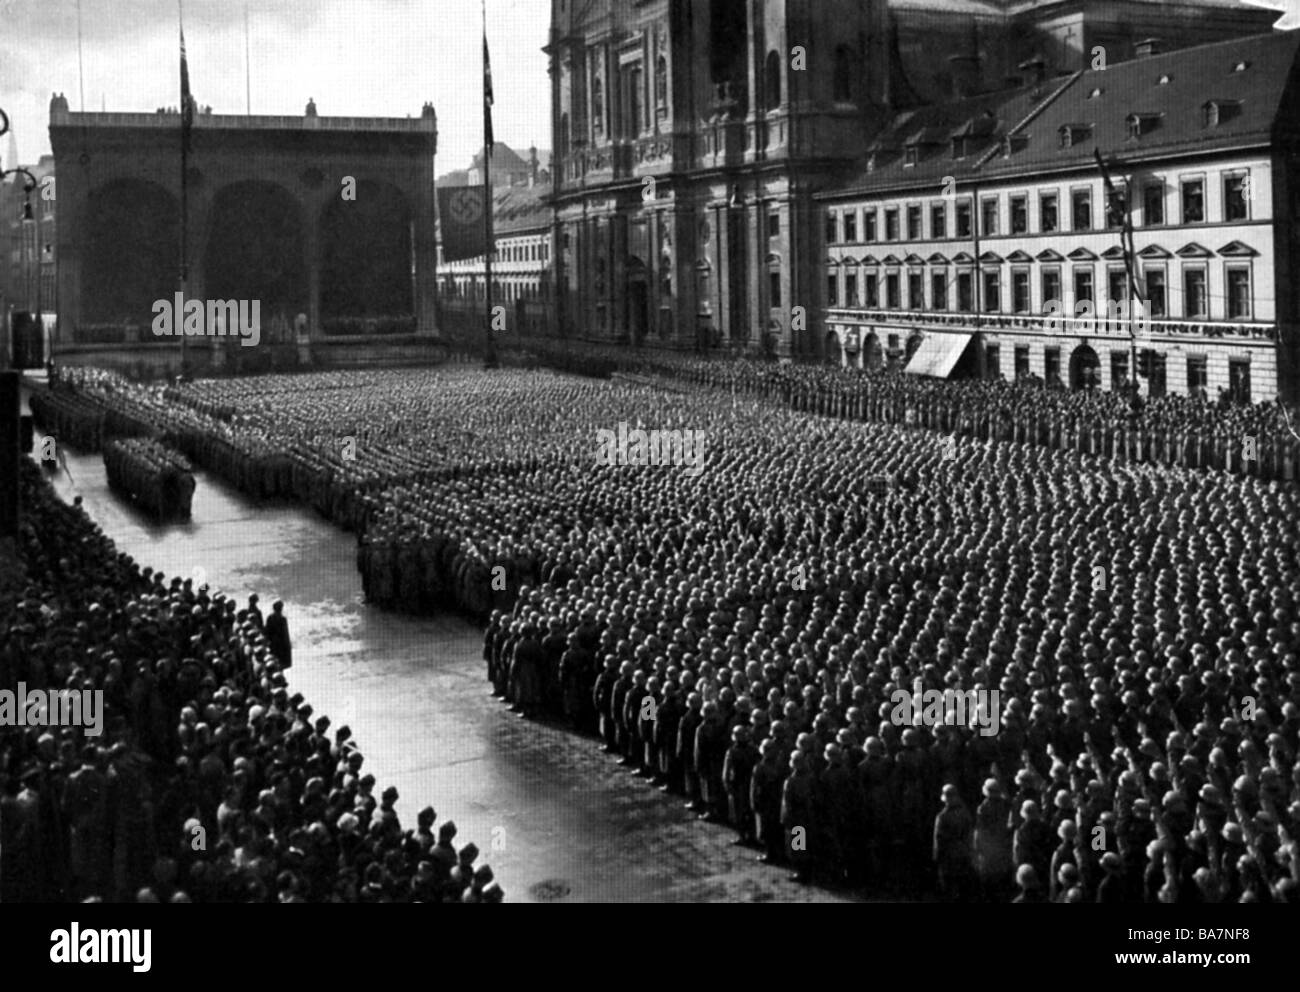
x=737, y=773
x=953, y=830
x=686, y=733
x=602, y=696
x=710, y=753
x=797, y=816
x=766, y=786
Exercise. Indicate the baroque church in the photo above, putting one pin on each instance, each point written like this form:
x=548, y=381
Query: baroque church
x=691, y=136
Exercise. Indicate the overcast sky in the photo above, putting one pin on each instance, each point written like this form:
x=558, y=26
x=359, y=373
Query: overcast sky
x=366, y=58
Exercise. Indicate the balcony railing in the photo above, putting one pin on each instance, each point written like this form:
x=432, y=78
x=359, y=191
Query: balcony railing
x=1102, y=325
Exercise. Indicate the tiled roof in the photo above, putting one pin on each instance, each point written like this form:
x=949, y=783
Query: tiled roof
x=1250, y=75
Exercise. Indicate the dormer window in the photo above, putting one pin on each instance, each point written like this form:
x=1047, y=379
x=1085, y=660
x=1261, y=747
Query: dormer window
x=1140, y=124
x=1014, y=143
x=959, y=147
x=1166, y=79
x=1241, y=67
x=1072, y=134
x=911, y=154
x=1215, y=112
x=1096, y=92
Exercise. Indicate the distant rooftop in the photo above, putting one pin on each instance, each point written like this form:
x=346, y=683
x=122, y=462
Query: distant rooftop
x=244, y=122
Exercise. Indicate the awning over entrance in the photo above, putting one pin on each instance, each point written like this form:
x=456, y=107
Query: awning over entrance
x=939, y=353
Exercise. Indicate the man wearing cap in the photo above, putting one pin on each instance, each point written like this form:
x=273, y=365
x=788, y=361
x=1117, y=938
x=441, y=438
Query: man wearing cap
x=797, y=816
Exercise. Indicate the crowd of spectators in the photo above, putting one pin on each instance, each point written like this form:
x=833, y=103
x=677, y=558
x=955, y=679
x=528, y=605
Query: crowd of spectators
x=211, y=781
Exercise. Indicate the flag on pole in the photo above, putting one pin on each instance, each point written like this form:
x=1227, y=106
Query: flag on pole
x=488, y=140
x=1126, y=221
x=187, y=101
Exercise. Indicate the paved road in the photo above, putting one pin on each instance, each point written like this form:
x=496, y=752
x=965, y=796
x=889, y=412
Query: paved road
x=553, y=816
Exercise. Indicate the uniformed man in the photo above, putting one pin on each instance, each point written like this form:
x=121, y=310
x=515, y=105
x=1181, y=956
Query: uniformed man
x=737, y=773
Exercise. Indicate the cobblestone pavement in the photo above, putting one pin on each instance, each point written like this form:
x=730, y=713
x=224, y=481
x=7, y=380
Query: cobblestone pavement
x=556, y=818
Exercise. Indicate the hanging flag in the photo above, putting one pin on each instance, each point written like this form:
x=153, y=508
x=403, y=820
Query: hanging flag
x=187, y=101
x=1126, y=222
x=460, y=218
x=488, y=141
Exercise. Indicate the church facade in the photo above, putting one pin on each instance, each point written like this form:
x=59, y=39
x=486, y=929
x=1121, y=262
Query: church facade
x=691, y=138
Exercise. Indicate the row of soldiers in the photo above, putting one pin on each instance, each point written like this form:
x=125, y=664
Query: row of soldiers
x=152, y=476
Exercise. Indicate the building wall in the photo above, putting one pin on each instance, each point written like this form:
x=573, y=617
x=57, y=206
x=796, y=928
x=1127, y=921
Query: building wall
x=1216, y=246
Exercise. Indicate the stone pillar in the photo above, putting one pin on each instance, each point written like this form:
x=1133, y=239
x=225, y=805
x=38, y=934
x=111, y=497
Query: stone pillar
x=312, y=264
x=69, y=237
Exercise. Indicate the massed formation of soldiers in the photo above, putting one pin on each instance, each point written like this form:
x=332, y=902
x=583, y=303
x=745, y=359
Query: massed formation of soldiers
x=151, y=475
x=1140, y=605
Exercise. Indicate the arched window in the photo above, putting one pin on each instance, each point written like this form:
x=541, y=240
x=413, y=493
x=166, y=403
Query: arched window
x=598, y=105
x=772, y=81
x=564, y=135
x=661, y=87
x=843, y=77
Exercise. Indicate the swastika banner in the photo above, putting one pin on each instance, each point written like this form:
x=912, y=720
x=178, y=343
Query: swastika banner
x=460, y=212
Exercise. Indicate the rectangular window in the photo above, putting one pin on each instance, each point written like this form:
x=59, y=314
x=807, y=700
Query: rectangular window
x=1118, y=369
x=851, y=227
x=832, y=229
x=991, y=287
x=1022, y=360
x=914, y=224
x=1239, y=379
x=892, y=299
x=1198, y=375
x=963, y=219
x=1195, y=298
x=1153, y=205
x=1234, y=197
x=773, y=225
x=992, y=361
x=1193, y=201
x=891, y=224
x=938, y=221
x=1020, y=290
x=774, y=288
x=989, y=217
x=1019, y=214
x=1239, y=300
x=832, y=290
x=1156, y=305
x=851, y=289
x=915, y=289
x=938, y=291
x=1051, y=287
x=1047, y=212
x=1083, y=289
x=1052, y=364
x=869, y=225
x=1117, y=291
x=1116, y=207
x=1081, y=209
x=965, y=292
x=871, y=293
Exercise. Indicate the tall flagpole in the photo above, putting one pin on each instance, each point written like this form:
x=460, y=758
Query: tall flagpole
x=490, y=355
x=178, y=318
x=248, y=69
x=81, y=69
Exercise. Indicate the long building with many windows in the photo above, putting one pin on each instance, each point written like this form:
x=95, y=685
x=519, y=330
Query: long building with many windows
x=980, y=237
